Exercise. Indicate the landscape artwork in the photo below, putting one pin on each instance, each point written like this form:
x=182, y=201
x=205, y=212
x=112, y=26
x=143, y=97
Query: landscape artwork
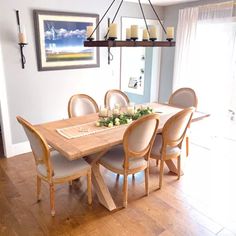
x=60, y=39
x=64, y=41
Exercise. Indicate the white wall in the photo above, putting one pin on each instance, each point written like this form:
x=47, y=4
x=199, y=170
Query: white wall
x=43, y=96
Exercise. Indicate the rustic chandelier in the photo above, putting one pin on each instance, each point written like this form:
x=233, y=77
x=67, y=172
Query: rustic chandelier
x=149, y=33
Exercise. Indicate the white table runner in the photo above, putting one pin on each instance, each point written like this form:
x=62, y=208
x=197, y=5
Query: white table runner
x=77, y=131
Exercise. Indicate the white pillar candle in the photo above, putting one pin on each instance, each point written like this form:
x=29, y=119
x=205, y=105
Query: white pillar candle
x=22, y=36
x=145, y=34
x=170, y=31
x=128, y=33
x=113, y=30
x=153, y=32
x=134, y=31
x=89, y=31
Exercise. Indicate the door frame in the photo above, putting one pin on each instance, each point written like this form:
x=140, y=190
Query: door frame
x=4, y=118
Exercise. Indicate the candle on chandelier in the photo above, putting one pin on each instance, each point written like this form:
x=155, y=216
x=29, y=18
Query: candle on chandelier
x=153, y=32
x=170, y=31
x=134, y=32
x=145, y=35
x=113, y=31
x=89, y=32
x=128, y=34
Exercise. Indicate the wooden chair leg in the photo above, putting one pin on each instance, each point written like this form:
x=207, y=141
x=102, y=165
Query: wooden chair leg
x=187, y=146
x=161, y=173
x=38, y=188
x=147, y=180
x=70, y=182
x=178, y=166
x=157, y=162
x=89, y=187
x=125, y=190
x=133, y=176
x=52, y=199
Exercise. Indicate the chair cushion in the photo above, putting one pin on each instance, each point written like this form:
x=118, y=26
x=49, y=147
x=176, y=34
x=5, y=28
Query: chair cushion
x=156, y=149
x=63, y=167
x=114, y=159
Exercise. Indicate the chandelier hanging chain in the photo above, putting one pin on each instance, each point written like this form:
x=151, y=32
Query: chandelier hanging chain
x=102, y=18
x=143, y=16
x=117, y=13
x=114, y=17
x=158, y=17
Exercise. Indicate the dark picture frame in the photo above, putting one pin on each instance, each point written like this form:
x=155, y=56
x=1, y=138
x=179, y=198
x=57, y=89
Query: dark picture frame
x=59, y=40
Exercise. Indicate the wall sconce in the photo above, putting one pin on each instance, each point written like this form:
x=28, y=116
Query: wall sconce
x=22, y=41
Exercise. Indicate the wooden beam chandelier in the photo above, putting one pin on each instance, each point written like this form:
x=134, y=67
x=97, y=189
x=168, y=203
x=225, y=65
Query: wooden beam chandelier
x=149, y=33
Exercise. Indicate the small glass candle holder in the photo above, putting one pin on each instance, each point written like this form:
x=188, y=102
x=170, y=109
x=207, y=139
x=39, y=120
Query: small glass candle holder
x=116, y=111
x=144, y=106
x=131, y=108
x=117, y=106
x=103, y=111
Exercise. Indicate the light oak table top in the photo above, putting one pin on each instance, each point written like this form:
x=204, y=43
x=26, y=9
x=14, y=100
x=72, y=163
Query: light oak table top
x=86, y=145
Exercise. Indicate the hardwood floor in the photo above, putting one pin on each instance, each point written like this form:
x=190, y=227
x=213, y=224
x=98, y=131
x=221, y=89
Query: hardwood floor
x=201, y=203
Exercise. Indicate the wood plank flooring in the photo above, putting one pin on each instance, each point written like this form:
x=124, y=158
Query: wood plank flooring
x=201, y=203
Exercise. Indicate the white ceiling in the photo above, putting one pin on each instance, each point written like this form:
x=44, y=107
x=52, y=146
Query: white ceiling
x=162, y=2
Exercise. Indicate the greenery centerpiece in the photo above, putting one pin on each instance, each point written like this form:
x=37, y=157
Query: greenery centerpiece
x=123, y=118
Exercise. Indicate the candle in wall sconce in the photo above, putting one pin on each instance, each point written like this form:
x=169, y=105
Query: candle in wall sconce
x=170, y=31
x=153, y=32
x=128, y=34
x=22, y=36
x=145, y=35
x=89, y=32
x=112, y=35
x=134, y=32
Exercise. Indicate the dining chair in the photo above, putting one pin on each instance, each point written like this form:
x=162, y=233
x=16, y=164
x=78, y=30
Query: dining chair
x=53, y=167
x=168, y=144
x=115, y=96
x=81, y=104
x=184, y=97
x=133, y=155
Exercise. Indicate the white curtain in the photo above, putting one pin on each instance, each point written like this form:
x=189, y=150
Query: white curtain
x=185, y=39
x=204, y=54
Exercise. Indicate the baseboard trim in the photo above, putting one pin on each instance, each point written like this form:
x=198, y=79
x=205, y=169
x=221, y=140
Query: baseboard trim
x=19, y=148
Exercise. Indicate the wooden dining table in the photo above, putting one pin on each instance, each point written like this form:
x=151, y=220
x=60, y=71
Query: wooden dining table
x=96, y=141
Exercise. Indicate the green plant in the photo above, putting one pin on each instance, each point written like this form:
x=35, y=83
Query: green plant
x=123, y=118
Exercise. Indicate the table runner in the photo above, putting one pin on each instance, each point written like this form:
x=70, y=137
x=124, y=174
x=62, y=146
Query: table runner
x=77, y=131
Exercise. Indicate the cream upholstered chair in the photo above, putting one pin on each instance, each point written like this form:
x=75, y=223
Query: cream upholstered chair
x=168, y=144
x=115, y=96
x=133, y=156
x=81, y=104
x=184, y=97
x=53, y=167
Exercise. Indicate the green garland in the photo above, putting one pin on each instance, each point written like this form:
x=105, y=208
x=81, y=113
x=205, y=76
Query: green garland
x=123, y=118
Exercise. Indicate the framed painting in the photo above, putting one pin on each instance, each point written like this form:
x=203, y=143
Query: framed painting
x=60, y=40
